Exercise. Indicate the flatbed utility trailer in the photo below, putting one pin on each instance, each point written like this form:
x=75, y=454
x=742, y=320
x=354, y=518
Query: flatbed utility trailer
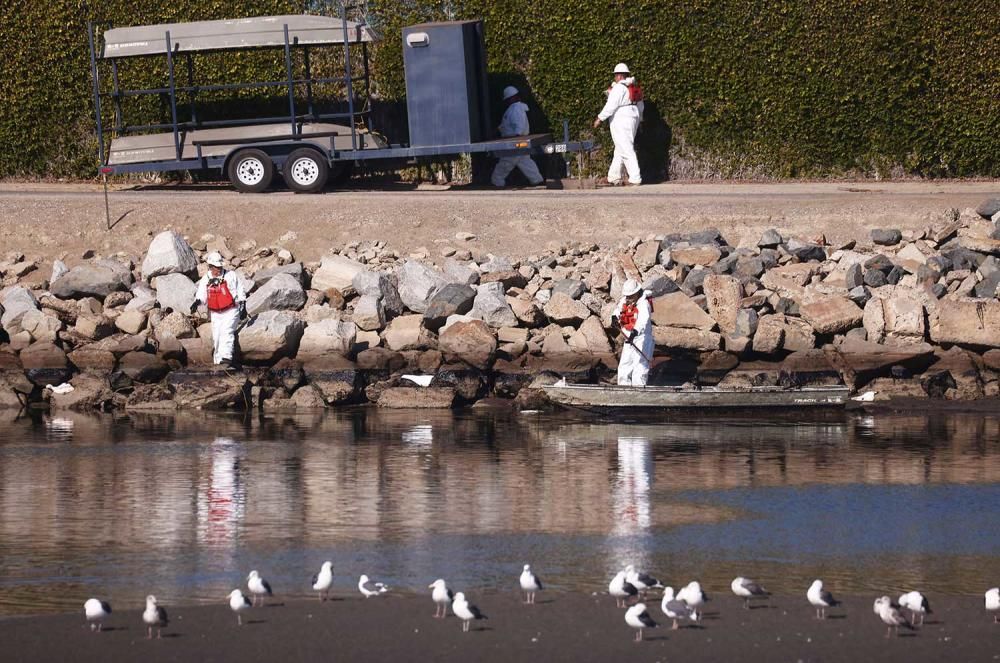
x=447, y=101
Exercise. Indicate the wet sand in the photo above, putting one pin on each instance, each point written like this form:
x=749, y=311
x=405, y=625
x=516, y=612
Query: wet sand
x=560, y=627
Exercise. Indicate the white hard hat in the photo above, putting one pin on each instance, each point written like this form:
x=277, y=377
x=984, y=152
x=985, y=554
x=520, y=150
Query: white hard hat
x=621, y=68
x=214, y=259
x=630, y=288
x=509, y=92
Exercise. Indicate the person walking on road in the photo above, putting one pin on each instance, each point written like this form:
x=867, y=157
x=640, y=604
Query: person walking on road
x=633, y=316
x=515, y=123
x=222, y=293
x=623, y=112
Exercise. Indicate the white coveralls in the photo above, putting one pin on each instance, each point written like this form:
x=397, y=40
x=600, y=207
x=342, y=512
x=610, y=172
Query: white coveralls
x=625, y=117
x=633, y=368
x=224, y=323
x=515, y=123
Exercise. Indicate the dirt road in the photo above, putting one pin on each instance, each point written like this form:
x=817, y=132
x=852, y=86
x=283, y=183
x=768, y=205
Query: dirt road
x=49, y=220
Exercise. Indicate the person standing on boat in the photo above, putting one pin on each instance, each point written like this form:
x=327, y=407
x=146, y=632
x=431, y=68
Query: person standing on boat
x=223, y=295
x=633, y=315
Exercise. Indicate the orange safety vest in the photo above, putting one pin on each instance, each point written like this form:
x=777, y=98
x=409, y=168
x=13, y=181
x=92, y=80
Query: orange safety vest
x=219, y=297
x=628, y=317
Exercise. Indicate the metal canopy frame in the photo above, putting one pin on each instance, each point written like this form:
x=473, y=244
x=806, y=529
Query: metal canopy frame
x=297, y=32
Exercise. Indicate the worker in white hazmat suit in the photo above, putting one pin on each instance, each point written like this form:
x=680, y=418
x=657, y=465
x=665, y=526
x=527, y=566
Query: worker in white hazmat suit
x=515, y=123
x=624, y=115
x=633, y=316
x=222, y=293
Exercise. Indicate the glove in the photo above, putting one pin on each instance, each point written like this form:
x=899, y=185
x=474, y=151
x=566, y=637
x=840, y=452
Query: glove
x=194, y=307
x=633, y=334
x=242, y=310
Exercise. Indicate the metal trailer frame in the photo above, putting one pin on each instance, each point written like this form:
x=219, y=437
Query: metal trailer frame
x=227, y=36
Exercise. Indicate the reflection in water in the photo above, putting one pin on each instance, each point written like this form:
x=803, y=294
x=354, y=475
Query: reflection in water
x=122, y=506
x=631, y=487
x=222, y=499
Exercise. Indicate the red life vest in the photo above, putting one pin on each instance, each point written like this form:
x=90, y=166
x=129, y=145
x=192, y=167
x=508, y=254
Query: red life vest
x=628, y=317
x=219, y=297
x=635, y=92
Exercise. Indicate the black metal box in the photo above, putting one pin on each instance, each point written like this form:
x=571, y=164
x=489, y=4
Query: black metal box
x=447, y=100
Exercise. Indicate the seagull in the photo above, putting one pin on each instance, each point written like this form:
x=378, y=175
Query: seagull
x=638, y=618
x=530, y=583
x=820, y=598
x=323, y=580
x=97, y=611
x=465, y=611
x=259, y=588
x=676, y=608
x=441, y=596
x=369, y=588
x=747, y=589
x=866, y=397
x=641, y=581
x=238, y=603
x=154, y=615
x=692, y=594
x=916, y=603
x=992, y=603
x=891, y=616
x=621, y=589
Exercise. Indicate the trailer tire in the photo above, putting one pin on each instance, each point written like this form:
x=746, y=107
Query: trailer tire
x=305, y=171
x=250, y=171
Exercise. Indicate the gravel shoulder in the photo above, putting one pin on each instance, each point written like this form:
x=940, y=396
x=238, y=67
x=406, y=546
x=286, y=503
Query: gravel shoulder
x=65, y=220
x=563, y=627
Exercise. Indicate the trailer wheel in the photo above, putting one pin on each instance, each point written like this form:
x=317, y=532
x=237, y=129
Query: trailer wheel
x=306, y=171
x=250, y=171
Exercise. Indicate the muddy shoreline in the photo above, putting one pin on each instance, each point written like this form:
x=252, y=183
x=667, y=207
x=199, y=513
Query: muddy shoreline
x=562, y=626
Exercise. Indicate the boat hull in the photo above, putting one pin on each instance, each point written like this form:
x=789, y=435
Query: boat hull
x=655, y=398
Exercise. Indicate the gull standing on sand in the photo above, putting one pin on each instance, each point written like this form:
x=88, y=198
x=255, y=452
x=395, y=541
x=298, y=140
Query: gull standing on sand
x=891, y=616
x=993, y=603
x=640, y=580
x=638, y=618
x=259, y=588
x=322, y=581
x=442, y=597
x=154, y=615
x=369, y=588
x=747, y=589
x=238, y=603
x=530, y=583
x=692, y=594
x=621, y=589
x=917, y=604
x=820, y=598
x=465, y=611
x=676, y=608
x=96, y=611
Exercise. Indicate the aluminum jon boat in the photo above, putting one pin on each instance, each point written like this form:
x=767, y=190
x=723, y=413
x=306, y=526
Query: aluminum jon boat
x=614, y=397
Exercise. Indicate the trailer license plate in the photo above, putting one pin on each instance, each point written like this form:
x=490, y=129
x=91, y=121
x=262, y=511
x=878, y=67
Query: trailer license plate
x=555, y=148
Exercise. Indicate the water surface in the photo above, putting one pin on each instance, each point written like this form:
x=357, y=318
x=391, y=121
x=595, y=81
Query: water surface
x=185, y=506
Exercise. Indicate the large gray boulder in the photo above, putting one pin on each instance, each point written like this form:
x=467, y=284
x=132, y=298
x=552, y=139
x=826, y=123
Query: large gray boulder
x=417, y=285
x=270, y=336
x=175, y=291
x=369, y=313
x=89, y=281
x=282, y=292
x=336, y=272
x=295, y=270
x=327, y=338
x=143, y=299
x=562, y=310
x=16, y=303
x=491, y=306
x=168, y=253
x=453, y=299
x=966, y=321
x=382, y=286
